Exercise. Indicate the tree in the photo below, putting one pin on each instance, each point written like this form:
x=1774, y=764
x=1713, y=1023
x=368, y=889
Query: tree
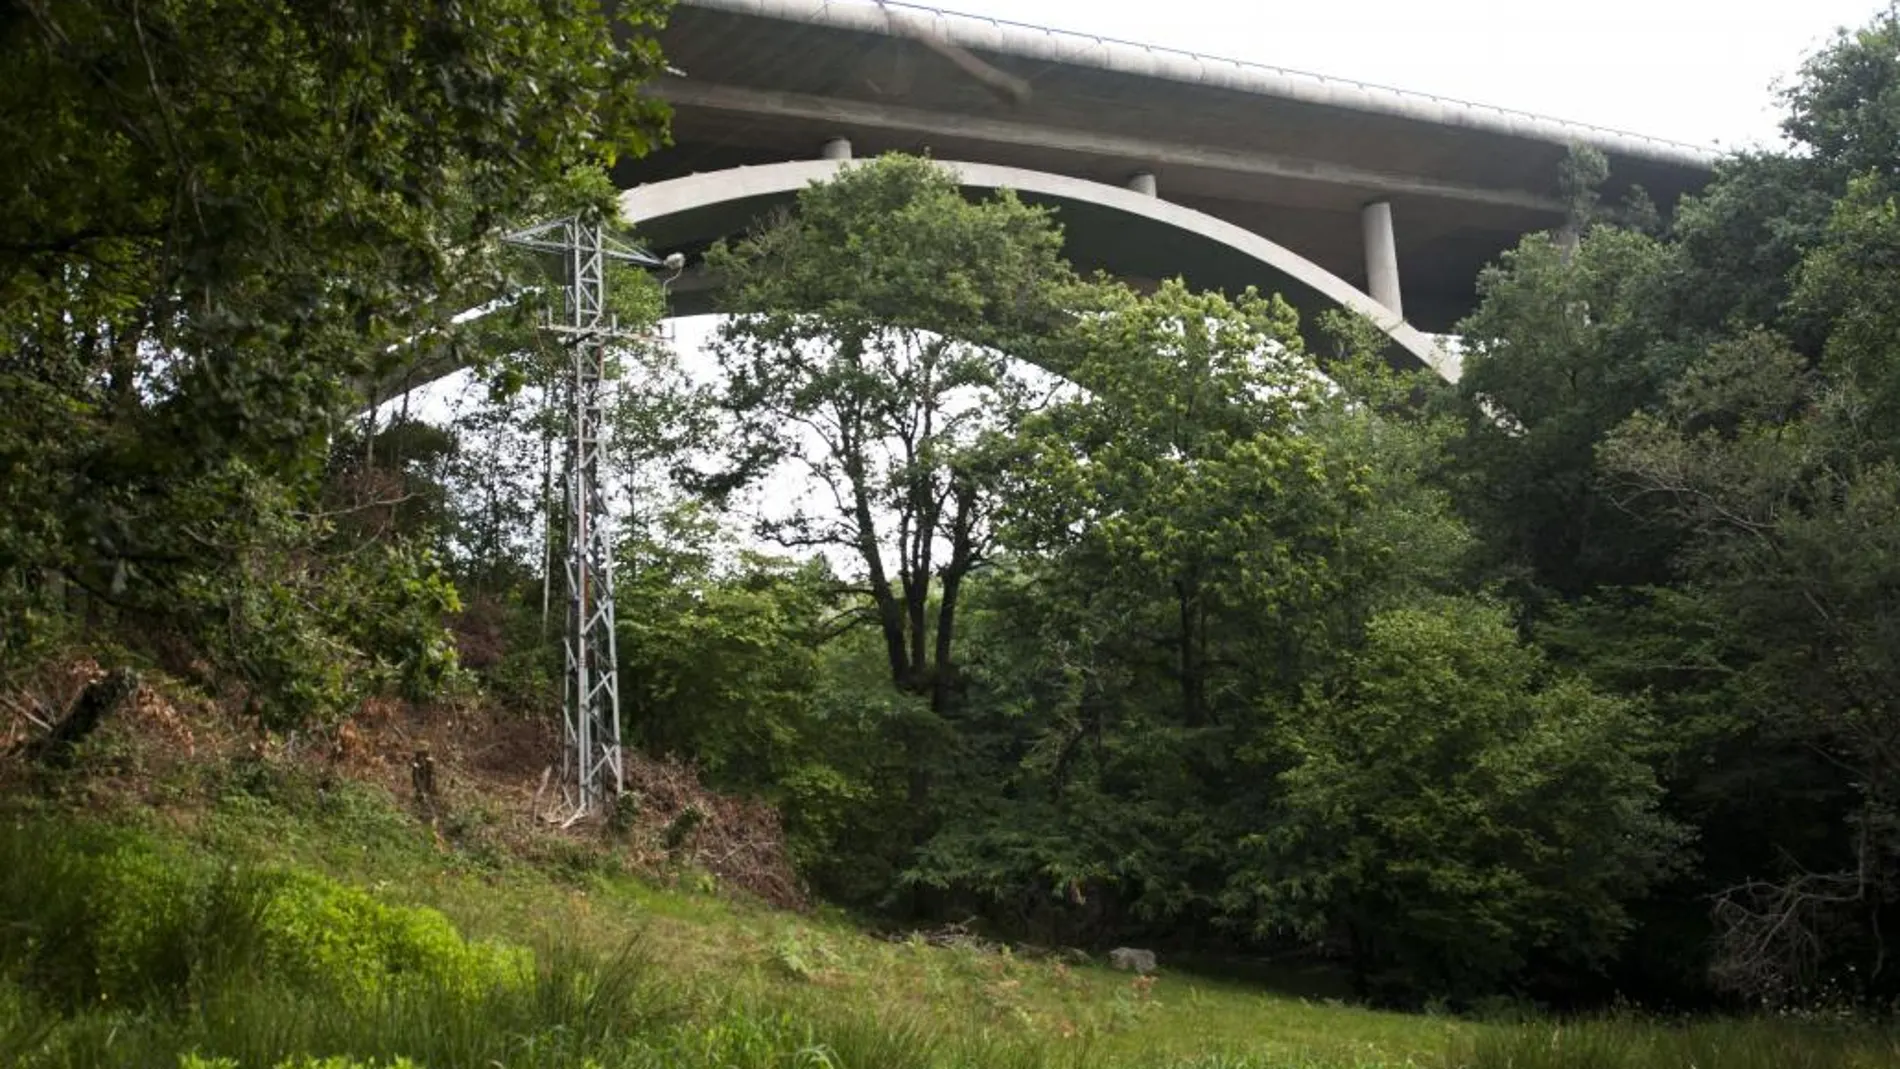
x=1787, y=477
x=872, y=346
x=1562, y=348
x=220, y=218
x=1739, y=241
x=1194, y=530
x=1163, y=516
x=1456, y=810
x=1180, y=476
x=1845, y=106
x=718, y=659
x=743, y=664
x=1733, y=420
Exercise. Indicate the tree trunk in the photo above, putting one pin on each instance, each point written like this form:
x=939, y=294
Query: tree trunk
x=890, y=612
x=943, y=674
x=963, y=557
x=916, y=614
x=1359, y=954
x=890, y=619
x=1189, y=652
x=89, y=710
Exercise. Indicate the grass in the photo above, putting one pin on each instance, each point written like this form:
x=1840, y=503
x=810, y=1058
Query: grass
x=629, y=973
x=816, y=963
x=1612, y=1043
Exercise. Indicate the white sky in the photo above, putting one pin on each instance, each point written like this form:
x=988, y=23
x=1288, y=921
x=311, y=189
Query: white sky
x=1698, y=71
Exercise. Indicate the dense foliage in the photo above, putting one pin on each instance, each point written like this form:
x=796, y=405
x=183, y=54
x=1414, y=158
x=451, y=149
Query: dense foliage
x=1710, y=417
x=1099, y=616
x=222, y=221
x=1576, y=678
x=1183, y=581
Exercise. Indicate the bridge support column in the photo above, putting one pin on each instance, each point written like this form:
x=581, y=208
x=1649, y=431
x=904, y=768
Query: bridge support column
x=1382, y=256
x=1142, y=182
x=837, y=148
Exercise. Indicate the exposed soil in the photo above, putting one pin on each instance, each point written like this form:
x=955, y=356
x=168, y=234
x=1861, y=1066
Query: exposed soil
x=462, y=767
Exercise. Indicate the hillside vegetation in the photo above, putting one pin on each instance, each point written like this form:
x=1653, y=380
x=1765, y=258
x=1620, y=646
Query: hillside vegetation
x=976, y=618
x=241, y=911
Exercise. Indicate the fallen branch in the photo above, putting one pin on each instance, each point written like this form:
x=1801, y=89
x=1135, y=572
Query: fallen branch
x=20, y=709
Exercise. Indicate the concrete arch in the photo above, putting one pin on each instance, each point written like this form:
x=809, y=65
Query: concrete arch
x=650, y=207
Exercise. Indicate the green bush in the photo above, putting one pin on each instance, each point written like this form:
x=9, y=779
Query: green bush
x=143, y=907
x=96, y=915
x=109, y=917
x=345, y=943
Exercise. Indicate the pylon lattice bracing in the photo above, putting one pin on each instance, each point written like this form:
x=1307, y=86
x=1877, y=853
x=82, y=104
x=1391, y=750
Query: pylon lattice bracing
x=592, y=770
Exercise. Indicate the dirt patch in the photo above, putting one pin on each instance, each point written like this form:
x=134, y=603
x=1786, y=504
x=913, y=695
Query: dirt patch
x=472, y=774
x=164, y=727
x=454, y=759
x=739, y=841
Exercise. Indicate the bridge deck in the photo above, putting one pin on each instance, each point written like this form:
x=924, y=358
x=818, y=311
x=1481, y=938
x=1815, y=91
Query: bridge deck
x=1289, y=156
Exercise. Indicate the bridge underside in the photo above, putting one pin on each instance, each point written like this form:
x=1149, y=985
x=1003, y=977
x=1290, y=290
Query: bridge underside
x=1137, y=250
x=766, y=81
x=1136, y=237
x=1438, y=271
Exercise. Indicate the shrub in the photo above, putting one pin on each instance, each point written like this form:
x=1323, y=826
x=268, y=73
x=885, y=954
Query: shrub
x=109, y=917
x=95, y=916
x=343, y=942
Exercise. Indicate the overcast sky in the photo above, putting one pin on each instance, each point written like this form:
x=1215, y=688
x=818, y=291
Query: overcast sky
x=1690, y=70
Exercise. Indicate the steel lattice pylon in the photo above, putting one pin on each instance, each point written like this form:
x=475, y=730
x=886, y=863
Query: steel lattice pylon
x=591, y=765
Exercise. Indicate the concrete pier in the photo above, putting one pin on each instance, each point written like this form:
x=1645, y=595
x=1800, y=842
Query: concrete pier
x=1382, y=256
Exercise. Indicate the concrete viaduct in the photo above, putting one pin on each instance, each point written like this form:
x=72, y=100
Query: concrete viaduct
x=1160, y=163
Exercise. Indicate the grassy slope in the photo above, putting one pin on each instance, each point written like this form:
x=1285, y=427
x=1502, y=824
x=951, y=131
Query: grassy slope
x=711, y=943
x=720, y=954
x=729, y=963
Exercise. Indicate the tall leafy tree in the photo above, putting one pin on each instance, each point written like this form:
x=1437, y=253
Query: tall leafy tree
x=1455, y=811
x=218, y=219
x=1162, y=513
x=1727, y=543
x=1785, y=474
x=1180, y=475
x=1197, y=528
x=1565, y=344
x=872, y=346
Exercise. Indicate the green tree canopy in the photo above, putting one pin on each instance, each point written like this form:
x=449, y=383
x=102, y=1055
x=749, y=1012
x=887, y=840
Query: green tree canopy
x=1456, y=810
x=872, y=346
x=220, y=217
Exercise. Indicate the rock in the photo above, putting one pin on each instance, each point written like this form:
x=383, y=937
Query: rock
x=1129, y=958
